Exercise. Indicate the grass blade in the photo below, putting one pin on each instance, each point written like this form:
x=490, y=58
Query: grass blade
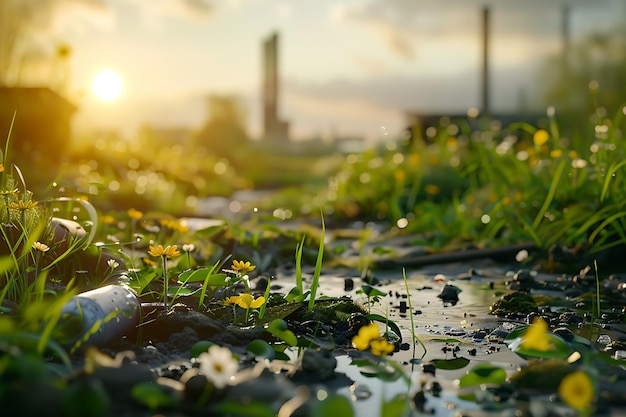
x=318, y=267
x=551, y=192
x=299, y=266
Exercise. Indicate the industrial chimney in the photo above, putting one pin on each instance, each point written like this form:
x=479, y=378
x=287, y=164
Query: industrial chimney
x=274, y=129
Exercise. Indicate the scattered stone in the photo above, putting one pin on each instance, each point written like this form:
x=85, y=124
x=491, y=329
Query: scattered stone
x=318, y=364
x=450, y=294
x=429, y=368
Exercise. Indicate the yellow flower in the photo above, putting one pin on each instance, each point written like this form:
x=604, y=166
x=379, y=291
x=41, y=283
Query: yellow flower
x=149, y=262
x=576, y=389
x=108, y=219
x=540, y=137
x=246, y=301
x=171, y=251
x=369, y=338
x=432, y=189
x=23, y=205
x=1, y=167
x=7, y=192
x=365, y=336
x=134, y=214
x=556, y=153
x=381, y=347
x=41, y=247
x=536, y=337
x=242, y=267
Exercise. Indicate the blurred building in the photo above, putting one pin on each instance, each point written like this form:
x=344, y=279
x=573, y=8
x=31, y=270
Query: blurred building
x=42, y=128
x=275, y=130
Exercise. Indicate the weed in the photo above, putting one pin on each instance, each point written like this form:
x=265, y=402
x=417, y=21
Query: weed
x=318, y=267
x=408, y=296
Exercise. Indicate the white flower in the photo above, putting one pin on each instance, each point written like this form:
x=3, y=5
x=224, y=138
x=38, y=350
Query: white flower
x=246, y=280
x=218, y=365
x=113, y=263
x=189, y=247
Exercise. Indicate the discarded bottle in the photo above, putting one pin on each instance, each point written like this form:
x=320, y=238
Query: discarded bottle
x=97, y=317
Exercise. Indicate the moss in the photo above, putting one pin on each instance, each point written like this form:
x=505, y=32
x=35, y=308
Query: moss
x=541, y=375
x=516, y=302
x=331, y=310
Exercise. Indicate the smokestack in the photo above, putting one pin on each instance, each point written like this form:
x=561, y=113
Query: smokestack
x=565, y=32
x=485, y=70
x=274, y=128
x=270, y=83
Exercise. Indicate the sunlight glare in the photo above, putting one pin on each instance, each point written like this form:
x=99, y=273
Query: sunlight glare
x=107, y=85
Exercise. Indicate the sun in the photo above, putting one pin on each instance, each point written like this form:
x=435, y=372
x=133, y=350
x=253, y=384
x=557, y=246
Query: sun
x=107, y=85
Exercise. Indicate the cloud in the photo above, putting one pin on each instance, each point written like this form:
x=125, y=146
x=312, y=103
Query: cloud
x=431, y=94
x=49, y=16
x=403, y=24
x=194, y=10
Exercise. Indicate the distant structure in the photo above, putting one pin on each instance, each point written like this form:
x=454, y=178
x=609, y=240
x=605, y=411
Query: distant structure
x=274, y=129
x=42, y=127
x=485, y=105
x=420, y=122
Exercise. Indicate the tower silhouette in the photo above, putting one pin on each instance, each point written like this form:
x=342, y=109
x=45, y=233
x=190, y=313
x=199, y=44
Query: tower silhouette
x=274, y=129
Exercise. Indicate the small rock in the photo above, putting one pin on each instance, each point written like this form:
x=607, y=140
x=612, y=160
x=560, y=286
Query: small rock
x=450, y=294
x=318, y=364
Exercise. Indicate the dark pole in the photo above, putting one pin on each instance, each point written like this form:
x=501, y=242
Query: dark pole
x=485, y=70
x=270, y=84
x=565, y=30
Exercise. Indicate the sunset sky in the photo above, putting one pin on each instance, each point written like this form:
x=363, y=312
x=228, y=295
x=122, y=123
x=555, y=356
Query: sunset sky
x=348, y=67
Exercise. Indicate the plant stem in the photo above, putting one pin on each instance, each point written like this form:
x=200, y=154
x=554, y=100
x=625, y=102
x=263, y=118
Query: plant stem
x=165, y=281
x=408, y=296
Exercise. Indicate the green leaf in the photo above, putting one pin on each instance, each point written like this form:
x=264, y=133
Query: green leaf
x=152, y=396
x=86, y=398
x=446, y=340
x=248, y=409
x=180, y=291
x=200, y=275
x=395, y=407
x=483, y=374
x=382, y=371
x=260, y=348
x=333, y=406
x=293, y=294
x=371, y=291
x=451, y=364
x=379, y=250
x=200, y=347
x=559, y=348
x=280, y=329
x=197, y=275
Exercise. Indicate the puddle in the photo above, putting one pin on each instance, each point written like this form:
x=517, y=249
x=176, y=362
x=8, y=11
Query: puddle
x=447, y=331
